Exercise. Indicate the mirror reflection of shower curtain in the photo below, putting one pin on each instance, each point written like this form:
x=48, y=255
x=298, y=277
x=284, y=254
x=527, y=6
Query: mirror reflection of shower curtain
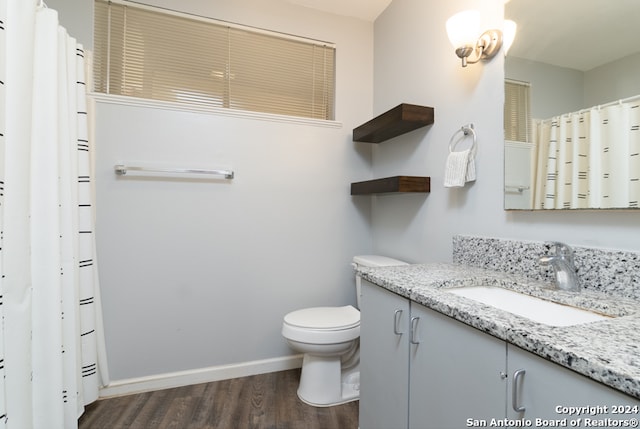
x=589, y=159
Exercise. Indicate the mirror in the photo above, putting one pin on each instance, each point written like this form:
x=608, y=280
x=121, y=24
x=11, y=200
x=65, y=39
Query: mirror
x=580, y=61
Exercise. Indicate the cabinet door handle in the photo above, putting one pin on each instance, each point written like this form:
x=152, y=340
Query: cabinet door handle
x=414, y=329
x=396, y=322
x=514, y=391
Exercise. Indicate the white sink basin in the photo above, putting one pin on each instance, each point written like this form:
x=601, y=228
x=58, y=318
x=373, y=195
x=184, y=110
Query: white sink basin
x=536, y=309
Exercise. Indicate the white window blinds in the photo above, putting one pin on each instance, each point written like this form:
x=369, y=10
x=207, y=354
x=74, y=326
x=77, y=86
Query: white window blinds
x=517, y=112
x=146, y=53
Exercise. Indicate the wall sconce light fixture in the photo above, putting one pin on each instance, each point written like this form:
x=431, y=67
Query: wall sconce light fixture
x=463, y=29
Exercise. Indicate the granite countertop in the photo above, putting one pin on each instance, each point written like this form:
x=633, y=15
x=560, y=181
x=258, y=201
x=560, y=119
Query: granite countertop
x=607, y=351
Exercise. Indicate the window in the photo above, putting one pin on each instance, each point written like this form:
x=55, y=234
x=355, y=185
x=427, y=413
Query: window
x=517, y=111
x=149, y=53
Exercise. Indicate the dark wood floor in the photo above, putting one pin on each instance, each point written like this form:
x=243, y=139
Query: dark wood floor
x=266, y=401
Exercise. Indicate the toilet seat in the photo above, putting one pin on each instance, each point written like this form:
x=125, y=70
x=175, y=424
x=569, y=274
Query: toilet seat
x=324, y=318
x=322, y=325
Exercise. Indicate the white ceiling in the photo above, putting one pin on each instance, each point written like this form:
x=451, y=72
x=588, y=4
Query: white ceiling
x=367, y=10
x=578, y=34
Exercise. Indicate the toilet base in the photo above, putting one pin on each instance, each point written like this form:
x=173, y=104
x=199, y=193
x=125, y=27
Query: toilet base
x=323, y=383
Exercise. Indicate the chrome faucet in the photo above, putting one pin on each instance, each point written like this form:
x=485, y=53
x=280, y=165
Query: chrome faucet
x=560, y=258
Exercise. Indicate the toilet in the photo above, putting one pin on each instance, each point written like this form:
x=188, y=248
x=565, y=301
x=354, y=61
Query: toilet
x=329, y=338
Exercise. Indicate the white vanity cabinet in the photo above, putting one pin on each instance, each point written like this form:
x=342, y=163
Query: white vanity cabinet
x=545, y=390
x=420, y=369
x=384, y=359
x=456, y=372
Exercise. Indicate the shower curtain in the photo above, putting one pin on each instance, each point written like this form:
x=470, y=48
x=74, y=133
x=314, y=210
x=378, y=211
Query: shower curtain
x=52, y=358
x=589, y=159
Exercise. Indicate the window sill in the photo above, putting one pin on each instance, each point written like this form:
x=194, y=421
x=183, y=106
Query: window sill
x=167, y=105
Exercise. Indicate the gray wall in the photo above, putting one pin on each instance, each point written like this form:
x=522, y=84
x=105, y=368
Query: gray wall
x=199, y=274
x=554, y=90
x=613, y=81
x=414, y=62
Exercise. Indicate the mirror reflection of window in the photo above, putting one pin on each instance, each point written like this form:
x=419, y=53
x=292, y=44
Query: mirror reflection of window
x=517, y=111
x=519, y=177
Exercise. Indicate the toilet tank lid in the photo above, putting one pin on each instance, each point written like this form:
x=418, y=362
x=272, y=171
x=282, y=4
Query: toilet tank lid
x=376, y=261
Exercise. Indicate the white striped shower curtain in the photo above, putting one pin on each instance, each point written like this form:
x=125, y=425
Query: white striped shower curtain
x=589, y=159
x=51, y=346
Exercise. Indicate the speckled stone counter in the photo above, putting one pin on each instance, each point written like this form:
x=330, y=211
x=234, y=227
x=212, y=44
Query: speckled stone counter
x=615, y=272
x=607, y=351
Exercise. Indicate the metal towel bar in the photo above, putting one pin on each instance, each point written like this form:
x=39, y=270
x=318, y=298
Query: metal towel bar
x=122, y=170
x=516, y=188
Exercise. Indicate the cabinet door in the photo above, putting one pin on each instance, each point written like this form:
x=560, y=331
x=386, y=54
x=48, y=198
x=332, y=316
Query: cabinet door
x=384, y=359
x=545, y=390
x=457, y=373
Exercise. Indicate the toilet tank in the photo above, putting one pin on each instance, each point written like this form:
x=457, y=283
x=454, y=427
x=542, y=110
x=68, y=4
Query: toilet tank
x=372, y=261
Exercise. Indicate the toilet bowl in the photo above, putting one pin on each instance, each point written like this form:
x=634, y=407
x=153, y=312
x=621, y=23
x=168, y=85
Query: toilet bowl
x=329, y=338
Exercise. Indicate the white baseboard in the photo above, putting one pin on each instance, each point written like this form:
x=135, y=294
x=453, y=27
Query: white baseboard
x=200, y=375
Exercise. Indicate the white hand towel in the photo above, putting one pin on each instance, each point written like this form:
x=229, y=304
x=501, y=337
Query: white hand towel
x=456, y=169
x=471, y=168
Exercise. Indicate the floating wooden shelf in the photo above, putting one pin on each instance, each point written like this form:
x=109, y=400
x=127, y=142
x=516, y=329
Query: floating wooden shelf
x=399, y=120
x=392, y=185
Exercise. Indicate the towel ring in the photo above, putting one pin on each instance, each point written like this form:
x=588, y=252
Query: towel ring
x=465, y=130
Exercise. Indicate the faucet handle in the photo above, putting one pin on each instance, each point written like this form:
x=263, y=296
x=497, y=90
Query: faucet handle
x=560, y=249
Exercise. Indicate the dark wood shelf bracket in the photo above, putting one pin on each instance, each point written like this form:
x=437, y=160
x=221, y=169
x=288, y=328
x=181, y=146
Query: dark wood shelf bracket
x=399, y=120
x=394, y=184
